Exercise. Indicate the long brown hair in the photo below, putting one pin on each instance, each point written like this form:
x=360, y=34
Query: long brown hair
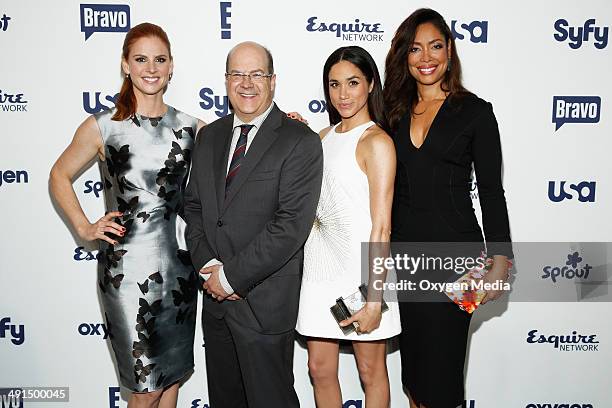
x=400, y=90
x=126, y=101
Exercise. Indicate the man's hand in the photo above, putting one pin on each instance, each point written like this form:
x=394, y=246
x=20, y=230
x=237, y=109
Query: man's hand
x=213, y=286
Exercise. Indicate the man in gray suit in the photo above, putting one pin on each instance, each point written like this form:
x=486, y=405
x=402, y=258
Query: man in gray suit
x=250, y=204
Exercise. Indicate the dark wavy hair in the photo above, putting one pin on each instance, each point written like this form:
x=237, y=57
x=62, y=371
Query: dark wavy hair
x=126, y=101
x=400, y=91
x=364, y=61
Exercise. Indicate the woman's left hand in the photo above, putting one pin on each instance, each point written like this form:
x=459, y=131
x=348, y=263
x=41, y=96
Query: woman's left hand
x=297, y=116
x=367, y=318
x=498, y=272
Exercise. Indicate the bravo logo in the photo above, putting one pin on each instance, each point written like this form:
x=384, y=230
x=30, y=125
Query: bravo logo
x=579, y=35
x=584, y=189
x=104, y=18
x=575, y=109
x=10, y=176
x=211, y=101
x=11, y=398
x=17, y=332
x=568, y=271
x=477, y=31
x=570, y=342
x=97, y=106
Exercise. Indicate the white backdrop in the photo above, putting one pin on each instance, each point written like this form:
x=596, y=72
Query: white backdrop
x=520, y=61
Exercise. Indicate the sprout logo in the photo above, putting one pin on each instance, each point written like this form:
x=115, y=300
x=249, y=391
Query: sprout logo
x=570, y=270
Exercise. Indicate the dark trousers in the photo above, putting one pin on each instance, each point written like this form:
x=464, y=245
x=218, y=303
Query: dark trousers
x=245, y=368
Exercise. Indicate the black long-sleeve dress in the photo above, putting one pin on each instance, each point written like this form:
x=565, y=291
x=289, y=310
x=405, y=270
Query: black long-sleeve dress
x=432, y=204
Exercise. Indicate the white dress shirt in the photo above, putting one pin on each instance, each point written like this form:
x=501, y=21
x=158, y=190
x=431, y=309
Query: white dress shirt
x=256, y=122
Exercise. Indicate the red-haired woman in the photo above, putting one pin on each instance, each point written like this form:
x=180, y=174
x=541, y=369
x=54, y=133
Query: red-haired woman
x=440, y=130
x=147, y=283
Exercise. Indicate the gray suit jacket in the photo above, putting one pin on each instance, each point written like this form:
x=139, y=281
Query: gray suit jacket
x=258, y=230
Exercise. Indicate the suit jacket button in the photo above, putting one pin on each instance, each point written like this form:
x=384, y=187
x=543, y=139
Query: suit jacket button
x=219, y=222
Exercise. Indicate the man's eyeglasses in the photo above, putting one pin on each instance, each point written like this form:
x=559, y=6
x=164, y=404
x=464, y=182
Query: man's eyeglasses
x=241, y=76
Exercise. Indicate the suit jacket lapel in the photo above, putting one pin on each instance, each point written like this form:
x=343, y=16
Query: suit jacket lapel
x=220, y=158
x=264, y=138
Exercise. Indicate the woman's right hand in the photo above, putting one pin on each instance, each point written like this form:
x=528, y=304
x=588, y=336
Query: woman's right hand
x=96, y=230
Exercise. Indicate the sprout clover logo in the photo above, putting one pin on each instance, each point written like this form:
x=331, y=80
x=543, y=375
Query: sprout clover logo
x=573, y=260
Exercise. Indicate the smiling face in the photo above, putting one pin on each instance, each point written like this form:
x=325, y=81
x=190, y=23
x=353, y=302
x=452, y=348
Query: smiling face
x=249, y=98
x=149, y=66
x=349, y=90
x=428, y=55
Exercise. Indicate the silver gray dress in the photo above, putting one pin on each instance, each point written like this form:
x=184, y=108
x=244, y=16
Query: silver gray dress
x=148, y=285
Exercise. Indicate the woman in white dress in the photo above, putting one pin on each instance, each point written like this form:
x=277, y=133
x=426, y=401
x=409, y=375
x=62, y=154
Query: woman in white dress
x=355, y=207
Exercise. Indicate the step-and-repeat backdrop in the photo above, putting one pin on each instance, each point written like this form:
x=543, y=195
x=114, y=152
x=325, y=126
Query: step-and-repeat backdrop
x=545, y=66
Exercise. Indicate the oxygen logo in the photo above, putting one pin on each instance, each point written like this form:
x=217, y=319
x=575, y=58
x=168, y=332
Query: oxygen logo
x=226, y=26
x=558, y=405
x=13, y=102
x=104, y=18
x=317, y=106
x=354, y=31
x=569, y=342
x=13, y=176
x=93, y=329
x=477, y=31
x=575, y=109
x=98, y=105
x=17, y=332
x=220, y=104
x=584, y=189
x=568, y=271
x=579, y=35
x=4, y=22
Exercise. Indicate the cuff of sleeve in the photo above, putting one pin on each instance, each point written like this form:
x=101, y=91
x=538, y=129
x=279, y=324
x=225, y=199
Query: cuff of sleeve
x=224, y=282
x=212, y=262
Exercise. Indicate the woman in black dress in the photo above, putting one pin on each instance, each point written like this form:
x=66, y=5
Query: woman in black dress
x=440, y=130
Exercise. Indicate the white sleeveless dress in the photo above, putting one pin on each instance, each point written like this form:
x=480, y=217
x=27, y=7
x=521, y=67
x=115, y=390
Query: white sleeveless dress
x=332, y=253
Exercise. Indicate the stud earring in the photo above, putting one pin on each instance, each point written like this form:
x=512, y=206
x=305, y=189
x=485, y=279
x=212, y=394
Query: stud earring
x=448, y=67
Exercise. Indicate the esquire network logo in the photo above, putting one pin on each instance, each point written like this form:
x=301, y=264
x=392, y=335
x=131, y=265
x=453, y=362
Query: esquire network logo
x=570, y=270
x=585, y=191
x=577, y=36
x=13, y=176
x=568, y=342
x=104, y=18
x=12, y=102
x=347, y=31
x=16, y=331
x=575, y=109
x=476, y=31
x=81, y=254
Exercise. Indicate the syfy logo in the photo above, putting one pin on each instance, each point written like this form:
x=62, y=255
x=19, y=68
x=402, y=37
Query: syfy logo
x=477, y=31
x=80, y=254
x=317, y=106
x=10, y=176
x=98, y=106
x=583, y=197
x=104, y=18
x=12, y=102
x=356, y=31
x=569, y=271
x=211, y=101
x=575, y=109
x=558, y=405
x=11, y=398
x=93, y=329
x=226, y=26
x=579, y=35
x=17, y=332
x=4, y=22
x=570, y=342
